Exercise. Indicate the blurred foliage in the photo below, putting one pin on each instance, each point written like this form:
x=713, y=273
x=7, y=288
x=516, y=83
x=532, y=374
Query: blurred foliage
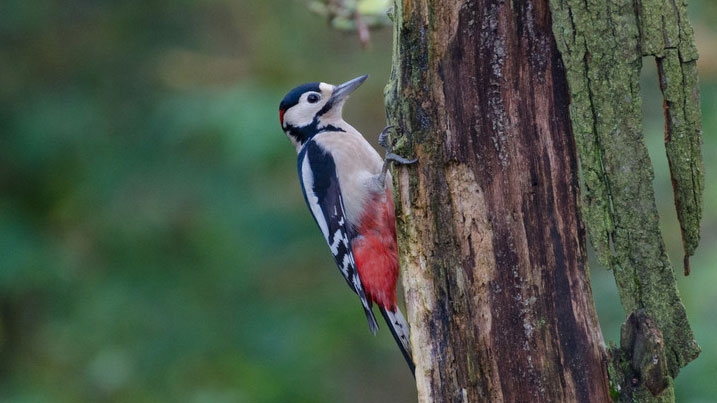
x=354, y=15
x=154, y=244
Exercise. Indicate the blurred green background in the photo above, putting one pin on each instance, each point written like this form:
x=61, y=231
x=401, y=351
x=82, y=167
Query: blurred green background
x=154, y=243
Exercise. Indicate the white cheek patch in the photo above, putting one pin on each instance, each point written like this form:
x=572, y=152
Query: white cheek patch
x=302, y=114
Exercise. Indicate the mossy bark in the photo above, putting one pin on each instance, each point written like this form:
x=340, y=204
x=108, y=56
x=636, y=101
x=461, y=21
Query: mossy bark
x=602, y=45
x=492, y=245
x=491, y=237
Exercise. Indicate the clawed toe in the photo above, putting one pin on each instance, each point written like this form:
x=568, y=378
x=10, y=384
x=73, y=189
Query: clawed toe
x=390, y=156
x=398, y=159
x=383, y=138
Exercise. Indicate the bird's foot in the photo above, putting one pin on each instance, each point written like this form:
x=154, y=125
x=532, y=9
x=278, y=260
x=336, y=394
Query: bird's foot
x=390, y=156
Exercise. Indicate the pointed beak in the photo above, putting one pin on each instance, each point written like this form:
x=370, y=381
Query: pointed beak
x=342, y=91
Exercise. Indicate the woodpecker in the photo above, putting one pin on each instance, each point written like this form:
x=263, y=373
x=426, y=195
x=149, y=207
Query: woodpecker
x=348, y=189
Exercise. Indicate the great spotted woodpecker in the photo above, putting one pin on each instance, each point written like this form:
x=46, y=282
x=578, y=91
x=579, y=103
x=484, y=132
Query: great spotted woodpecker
x=349, y=192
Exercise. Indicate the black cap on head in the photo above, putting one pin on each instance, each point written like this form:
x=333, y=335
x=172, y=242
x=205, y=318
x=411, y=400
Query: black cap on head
x=292, y=98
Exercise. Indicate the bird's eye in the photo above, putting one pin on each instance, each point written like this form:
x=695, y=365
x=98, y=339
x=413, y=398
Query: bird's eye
x=313, y=98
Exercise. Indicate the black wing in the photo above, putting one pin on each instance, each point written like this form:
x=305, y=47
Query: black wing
x=320, y=185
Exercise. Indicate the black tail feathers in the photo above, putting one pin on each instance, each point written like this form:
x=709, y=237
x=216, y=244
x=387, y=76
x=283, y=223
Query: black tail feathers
x=399, y=329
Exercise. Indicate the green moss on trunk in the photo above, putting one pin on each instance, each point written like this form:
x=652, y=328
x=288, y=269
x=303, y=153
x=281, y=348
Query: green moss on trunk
x=492, y=247
x=602, y=44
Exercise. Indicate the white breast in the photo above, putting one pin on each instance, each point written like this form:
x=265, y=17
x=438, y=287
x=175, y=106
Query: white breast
x=357, y=167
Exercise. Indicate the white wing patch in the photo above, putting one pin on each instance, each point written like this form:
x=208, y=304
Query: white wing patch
x=308, y=178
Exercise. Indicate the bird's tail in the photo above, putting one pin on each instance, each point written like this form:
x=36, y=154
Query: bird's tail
x=372, y=323
x=399, y=329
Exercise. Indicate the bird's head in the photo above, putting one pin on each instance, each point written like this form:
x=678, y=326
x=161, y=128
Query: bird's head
x=310, y=108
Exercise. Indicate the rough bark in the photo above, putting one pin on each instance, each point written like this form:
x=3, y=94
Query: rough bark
x=492, y=245
x=602, y=45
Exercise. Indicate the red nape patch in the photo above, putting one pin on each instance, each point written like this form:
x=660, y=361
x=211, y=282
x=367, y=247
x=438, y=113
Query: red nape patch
x=281, y=116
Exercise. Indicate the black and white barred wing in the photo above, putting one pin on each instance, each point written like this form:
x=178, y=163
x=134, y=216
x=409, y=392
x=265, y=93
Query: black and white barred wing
x=320, y=185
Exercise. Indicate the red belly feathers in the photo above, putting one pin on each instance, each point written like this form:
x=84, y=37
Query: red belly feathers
x=375, y=252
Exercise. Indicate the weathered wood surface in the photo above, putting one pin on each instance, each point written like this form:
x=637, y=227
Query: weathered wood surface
x=493, y=249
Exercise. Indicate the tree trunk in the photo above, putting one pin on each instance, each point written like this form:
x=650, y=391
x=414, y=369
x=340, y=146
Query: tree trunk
x=493, y=248
x=602, y=45
x=489, y=220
